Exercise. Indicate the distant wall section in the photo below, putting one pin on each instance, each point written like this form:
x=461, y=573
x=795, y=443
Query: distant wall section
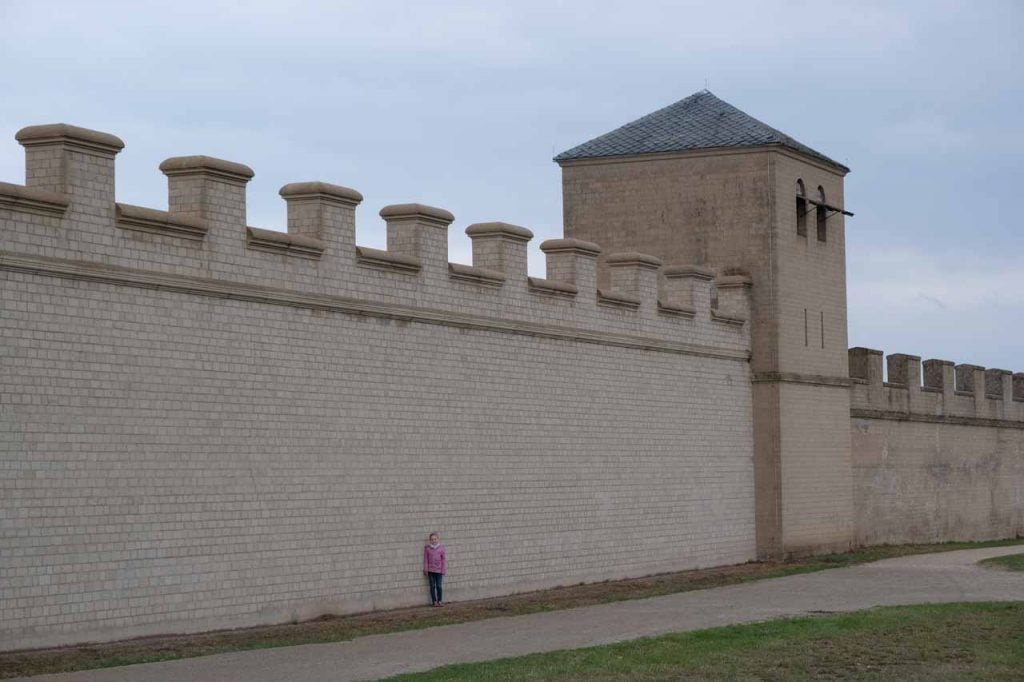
x=938, y=455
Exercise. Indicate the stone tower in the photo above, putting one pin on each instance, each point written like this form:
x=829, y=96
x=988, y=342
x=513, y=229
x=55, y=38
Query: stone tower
x=702, y=182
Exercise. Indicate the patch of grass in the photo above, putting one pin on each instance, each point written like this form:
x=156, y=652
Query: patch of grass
x=1010, y=562
x=341, y=628
x=929, y=642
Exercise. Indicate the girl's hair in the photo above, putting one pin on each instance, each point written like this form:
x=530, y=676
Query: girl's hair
x=433, y=533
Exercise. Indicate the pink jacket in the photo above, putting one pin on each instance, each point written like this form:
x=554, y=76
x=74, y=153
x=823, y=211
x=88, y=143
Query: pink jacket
x=433, y=559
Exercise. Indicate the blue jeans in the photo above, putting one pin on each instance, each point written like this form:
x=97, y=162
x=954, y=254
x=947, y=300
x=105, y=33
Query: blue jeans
x=435, y=580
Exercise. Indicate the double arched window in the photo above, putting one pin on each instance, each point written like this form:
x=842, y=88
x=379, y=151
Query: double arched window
x=802, y=209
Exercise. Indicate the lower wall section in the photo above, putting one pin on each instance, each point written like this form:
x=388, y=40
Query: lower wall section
x=933, y=482
x=817, y=509
x=176, y=463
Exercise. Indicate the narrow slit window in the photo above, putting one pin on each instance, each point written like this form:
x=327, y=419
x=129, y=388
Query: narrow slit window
x=823, y=329
x=822, y=214
x=801, y=209
x=805, y=326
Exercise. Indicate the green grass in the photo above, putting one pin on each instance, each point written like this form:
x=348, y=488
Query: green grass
x=931, y=642
x=341, y=628
x=1010, y=562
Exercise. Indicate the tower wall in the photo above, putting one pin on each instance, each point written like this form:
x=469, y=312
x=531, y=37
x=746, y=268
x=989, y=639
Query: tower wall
x=728, y=208
x=694, y=208
x=811, y=354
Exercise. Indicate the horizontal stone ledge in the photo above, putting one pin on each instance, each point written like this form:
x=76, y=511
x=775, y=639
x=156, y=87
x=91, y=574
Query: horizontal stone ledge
x=284, y=243
x=672, y=308
x=617, y=299
x=891, y=415
x=32, y=200
x=144, y=279
x=551, y=287
x=385, y=260
x=476, y=275
x=155, y=221
x=732, y=320
x=688, y=272
x=798, y=378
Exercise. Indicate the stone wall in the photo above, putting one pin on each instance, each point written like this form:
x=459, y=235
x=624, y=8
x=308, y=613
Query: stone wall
x=206, y=424
x=937, y=460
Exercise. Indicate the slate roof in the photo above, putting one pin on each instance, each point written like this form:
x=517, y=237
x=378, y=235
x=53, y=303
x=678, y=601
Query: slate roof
x=700, y=121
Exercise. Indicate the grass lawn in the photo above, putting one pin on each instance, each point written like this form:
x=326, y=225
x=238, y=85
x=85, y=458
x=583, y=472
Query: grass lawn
x=1010, y=562
x=340, y=628
x=932, y=642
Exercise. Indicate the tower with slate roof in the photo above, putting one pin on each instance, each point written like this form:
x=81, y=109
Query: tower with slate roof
x=702, y=182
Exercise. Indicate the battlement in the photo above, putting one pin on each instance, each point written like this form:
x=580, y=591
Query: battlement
x=942, y=391
x=66, y=221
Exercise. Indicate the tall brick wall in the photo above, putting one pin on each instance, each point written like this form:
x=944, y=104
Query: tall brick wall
x=206, y=424
x=938, y=455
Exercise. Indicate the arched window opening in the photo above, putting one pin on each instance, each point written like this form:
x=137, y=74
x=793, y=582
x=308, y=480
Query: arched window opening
x=801, y=209
x=822, y=214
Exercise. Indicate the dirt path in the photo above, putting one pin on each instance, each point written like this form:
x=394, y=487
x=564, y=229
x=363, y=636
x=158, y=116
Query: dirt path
x=943, y=577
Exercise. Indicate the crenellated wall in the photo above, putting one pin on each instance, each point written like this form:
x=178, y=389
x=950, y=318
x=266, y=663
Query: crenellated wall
x=938, y=450
x=207, y=424
x=72, y=215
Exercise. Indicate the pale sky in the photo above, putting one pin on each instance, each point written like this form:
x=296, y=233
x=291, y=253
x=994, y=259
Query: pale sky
x=462, y=105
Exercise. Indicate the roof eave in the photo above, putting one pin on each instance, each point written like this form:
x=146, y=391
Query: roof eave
x=816, y=159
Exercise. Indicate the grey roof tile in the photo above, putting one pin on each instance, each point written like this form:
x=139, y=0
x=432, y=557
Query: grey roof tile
x=700, y=121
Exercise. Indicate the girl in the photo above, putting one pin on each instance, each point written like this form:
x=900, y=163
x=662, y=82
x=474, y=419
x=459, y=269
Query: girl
x=434, y=566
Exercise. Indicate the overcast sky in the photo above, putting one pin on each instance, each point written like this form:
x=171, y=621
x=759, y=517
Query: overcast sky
x=463, y=104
